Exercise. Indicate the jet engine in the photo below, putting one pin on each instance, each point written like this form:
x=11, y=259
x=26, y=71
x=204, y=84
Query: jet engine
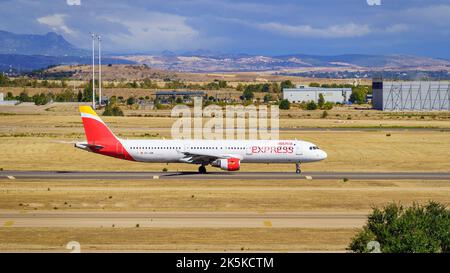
x=228, y=164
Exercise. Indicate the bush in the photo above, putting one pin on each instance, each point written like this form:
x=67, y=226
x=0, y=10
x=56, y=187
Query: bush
x=324, y=114
x=417, y=229
x=287, y=84
x=328, y=106
x=311, y=106
x=321, y=101
x=285, y=105
x=41, y=99
x=113, y=110
x=359, y=94
x=267, y=98
x=248, y=94
x=131, y=101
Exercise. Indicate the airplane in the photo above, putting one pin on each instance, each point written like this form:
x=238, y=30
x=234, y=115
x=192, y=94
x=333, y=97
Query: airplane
x=224, y=154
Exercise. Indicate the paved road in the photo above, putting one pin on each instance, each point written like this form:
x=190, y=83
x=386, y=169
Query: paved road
x=55, y=175
x=184, y=219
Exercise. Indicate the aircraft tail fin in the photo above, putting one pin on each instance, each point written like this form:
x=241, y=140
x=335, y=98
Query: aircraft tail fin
x=97, y=132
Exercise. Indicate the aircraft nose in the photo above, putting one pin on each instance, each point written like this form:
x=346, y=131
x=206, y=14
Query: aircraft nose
x=323, y=155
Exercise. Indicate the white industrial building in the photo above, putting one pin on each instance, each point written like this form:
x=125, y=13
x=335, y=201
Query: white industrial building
x=7, y=102
x=306, y=94
x=411, y=95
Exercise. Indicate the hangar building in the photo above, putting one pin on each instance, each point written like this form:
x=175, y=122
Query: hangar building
x=305, y=94
x=411, y=95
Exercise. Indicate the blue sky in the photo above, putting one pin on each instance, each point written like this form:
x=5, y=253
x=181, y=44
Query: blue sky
x=323, y=27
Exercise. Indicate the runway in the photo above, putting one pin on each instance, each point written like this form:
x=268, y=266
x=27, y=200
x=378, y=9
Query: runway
x=183, y=219
x=82, y=175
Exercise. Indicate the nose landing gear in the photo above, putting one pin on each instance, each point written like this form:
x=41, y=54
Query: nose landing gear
x=297, y=168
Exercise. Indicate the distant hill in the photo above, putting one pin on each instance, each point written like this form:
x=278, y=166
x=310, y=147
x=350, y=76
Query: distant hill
x=240, y=62
x=21, y=63
x=50, y=44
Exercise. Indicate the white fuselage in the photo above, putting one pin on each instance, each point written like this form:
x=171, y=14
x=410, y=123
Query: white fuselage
x=248, y=151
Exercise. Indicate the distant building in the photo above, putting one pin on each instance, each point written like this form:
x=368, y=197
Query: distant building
x=411, y=95
x=306, y=93
x=7, y=102
x=170, y=96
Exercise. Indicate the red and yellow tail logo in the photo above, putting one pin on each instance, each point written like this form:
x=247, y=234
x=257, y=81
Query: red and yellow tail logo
x=99, y=135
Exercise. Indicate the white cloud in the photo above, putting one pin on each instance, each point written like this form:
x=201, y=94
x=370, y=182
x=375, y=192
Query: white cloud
x=336, y=31
x=397, y=28
x=438, y=14
x=156, y=31
x=74, y=2
x=57, y=23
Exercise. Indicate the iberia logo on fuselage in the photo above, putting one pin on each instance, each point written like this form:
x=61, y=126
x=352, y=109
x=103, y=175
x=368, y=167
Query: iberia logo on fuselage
x=273, y=150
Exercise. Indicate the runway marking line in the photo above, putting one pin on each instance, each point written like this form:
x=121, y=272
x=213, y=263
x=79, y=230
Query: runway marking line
x=8, y=224
x=11, y=177
x=155, y=177
x=267, y=223
x=308, y=177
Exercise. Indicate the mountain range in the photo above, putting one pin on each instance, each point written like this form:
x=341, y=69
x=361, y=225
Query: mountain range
x=298, y=62
x=31, y=51
x=50, y=44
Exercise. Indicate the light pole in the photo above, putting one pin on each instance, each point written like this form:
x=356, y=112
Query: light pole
x=93, y=70
x=99, y=70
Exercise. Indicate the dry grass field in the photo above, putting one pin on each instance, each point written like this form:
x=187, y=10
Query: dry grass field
x=41, y=138
x=175, y=239
x=44, y=141
x=207, y=196
x=215, y=195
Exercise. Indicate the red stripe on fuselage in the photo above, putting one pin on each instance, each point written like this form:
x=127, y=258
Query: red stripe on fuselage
x=97, y=133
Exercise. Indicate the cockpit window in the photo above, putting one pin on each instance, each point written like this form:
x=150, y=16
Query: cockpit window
x=314, y=148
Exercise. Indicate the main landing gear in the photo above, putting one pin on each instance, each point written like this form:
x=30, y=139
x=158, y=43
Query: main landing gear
x=202, y=169
x=298, y=170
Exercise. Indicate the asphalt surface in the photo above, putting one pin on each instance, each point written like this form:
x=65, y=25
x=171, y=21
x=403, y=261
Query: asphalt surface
x=68, y=175
x=184, y=219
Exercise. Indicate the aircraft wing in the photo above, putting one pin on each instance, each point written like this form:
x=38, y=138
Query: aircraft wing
x=198, y=158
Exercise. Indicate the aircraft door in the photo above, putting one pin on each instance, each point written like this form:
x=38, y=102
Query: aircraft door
x=298, y=149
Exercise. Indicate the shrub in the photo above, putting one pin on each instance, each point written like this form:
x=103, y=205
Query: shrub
x=248, y=94
x=328, y=106
x=113, y=110
x=321, y=101
x=311, y=106
x=417, y=229
x=287, y=84
x=131, y=101
x=164, y=170
x=285, y=105
x=324, y=114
